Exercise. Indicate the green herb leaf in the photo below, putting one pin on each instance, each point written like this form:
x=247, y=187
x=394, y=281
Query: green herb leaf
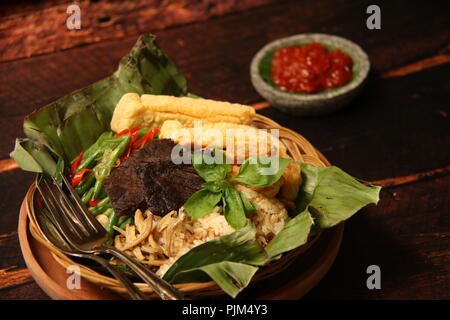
x=59, y=170
x=201, y=203
x=333, y=194
x=232, y=277
x=261, y=171
x=249, y=207
x=215, y=186
x=73, y=123
x=33, y=157
x=265, y=68
x=239, y=246
x=294, y=234
x=233, y=208
x=211, y=168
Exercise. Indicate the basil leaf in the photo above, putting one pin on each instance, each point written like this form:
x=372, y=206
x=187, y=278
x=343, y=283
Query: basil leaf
x=215, y=186
x=233, y=208
x=261, y=172
x=209, y=168
x=201, y=203
x=249, y=207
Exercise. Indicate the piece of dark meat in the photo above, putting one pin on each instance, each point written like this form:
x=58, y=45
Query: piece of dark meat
x=169, y=186
x=149, y=179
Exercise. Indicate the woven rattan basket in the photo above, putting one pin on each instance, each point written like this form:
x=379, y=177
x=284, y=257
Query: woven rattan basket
x=298, y=148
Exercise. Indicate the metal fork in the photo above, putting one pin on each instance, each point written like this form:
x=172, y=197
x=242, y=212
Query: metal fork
x=44, y=221
x=84, y=233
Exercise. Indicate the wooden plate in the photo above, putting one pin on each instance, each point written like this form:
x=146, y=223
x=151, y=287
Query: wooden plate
x=300, y=277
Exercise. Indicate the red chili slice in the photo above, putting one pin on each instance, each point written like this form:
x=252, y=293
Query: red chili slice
x=134, y=133
x=134, y=145
x=76, y=163
x=145, y=139
x=93, y=203
x=78, y=177
x=121, y=133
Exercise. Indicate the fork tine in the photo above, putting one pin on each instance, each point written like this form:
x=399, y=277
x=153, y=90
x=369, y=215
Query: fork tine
x=69, y=208
x=57, y=218
x=63, y=215
x=89, y=217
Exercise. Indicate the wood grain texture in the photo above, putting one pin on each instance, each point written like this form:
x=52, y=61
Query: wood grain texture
x=418, y=66
x=10, y=277
x=407, y=236
x=8, y=165
x=214, y=57
x=415, y=177
x=26, y=291
x=24, y=34
x=395, y=132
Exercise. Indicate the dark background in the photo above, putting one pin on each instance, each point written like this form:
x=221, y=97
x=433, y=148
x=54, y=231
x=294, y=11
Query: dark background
x=396, y=133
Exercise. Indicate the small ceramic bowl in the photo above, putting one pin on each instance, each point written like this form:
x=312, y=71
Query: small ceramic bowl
x=311, y=104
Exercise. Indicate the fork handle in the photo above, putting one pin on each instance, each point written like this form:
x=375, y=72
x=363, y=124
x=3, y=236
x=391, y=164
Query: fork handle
x=134, y=292
x=160, y=286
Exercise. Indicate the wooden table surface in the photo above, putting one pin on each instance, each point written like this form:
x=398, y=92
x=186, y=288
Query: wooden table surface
x=396, y=133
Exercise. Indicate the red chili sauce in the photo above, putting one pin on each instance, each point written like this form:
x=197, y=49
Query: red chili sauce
x=310, y=68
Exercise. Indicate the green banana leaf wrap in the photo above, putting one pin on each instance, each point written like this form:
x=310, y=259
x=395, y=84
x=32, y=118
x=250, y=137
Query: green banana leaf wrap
x=58, y=132
x=71, y=124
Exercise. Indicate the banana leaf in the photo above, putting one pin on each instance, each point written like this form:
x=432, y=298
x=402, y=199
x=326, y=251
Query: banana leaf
x=239, y=246
x=230, y=261
x=327, y=197
x=71, y=124
x=232, y=277
x=33, y=157
x=293, y=235
x=332, y=196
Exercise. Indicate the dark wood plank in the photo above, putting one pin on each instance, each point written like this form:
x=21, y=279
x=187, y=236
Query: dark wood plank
x=214, y=57
x=11, y=7
x=104, y=21
x=11, y=257
x=26, y=291
x=441, y=58
x=407, y=236
x=398, y=127
x=100, y=21
x=13, y=186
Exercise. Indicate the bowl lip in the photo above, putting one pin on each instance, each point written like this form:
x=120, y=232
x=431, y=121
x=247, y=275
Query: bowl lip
x=358, y=54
